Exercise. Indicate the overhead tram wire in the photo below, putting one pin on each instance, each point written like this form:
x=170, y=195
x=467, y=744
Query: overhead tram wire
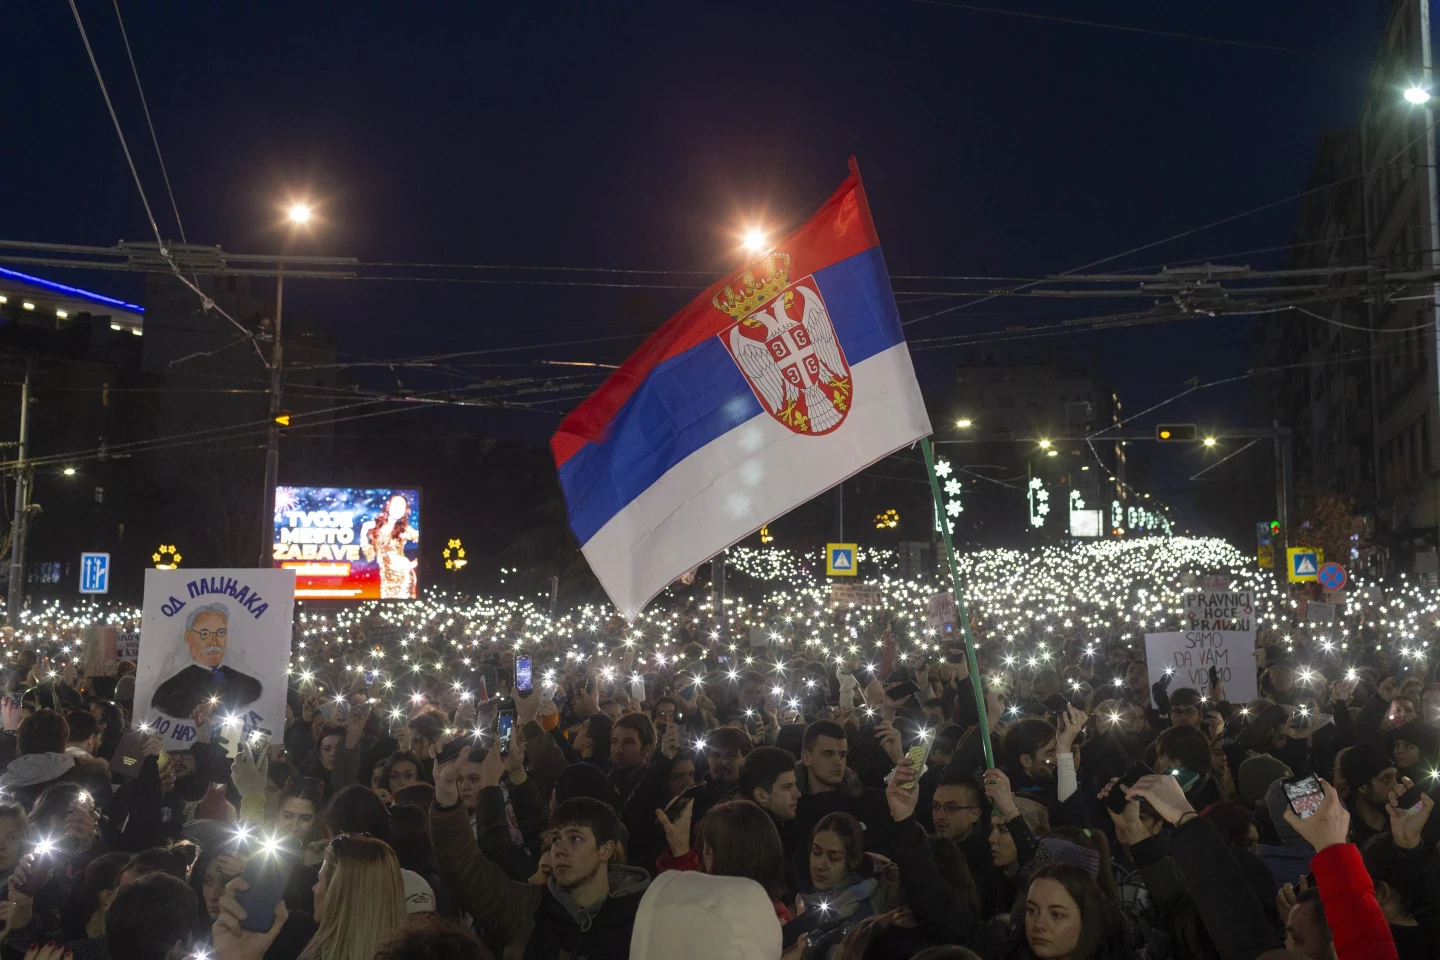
x=1149, y=31
x=205, y=300
x=1395, y=158
x=145, y=105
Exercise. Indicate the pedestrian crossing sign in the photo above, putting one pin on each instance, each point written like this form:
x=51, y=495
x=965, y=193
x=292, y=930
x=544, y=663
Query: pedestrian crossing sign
x=1304, y=566
x=840, y=560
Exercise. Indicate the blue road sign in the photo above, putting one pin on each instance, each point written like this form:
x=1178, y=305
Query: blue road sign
x=1332, y=576
x=1304, y=564
x=94, y=573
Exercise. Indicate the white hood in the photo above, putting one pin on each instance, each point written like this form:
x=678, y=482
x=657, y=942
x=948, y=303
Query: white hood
x=700, y=917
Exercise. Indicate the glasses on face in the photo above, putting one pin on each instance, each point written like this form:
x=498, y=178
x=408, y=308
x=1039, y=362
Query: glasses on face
x=207, y=634
x=1184, y=713
x=953, y=808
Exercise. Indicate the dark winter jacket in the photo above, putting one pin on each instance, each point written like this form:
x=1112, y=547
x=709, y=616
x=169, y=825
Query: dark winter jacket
x=544, y=919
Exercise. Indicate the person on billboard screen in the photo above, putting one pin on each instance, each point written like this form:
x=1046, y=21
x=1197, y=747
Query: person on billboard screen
x=383, y=540
x=207, y=632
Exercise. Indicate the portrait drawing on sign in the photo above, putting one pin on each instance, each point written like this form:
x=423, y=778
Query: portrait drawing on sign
x=207, y=635
x=785, y=344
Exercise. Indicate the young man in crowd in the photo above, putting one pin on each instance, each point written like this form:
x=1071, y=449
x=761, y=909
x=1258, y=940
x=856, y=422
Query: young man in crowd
x=632, y=740
x=828, y=786
x=586, y=910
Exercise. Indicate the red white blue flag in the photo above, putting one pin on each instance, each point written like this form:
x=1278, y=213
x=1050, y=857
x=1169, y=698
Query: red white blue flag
x=774, y=385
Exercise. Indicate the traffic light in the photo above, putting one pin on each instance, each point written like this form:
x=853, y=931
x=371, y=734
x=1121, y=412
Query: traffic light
x=1176, y=433
x=283, y=419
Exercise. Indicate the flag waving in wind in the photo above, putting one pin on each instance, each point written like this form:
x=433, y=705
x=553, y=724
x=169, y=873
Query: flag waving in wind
x=774, y=385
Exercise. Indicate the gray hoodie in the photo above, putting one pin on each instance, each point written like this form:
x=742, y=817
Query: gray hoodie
x=33, y=768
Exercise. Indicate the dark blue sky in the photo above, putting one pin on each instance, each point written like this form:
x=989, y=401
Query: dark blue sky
x=647, y=134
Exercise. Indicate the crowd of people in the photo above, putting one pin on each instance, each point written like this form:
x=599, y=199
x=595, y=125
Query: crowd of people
x=819, y=784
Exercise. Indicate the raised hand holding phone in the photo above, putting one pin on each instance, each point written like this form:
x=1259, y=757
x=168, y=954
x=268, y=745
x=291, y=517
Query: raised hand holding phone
x=1328, y=825
x=1409, y=809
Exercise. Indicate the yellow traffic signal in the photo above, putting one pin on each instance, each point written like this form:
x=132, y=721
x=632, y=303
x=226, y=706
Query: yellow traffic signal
x=283, y=419
x=1176, y=432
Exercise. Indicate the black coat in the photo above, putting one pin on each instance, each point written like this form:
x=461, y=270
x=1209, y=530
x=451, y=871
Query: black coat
x=186, y=690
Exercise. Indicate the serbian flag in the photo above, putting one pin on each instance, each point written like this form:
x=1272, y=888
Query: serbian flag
x=774, y=385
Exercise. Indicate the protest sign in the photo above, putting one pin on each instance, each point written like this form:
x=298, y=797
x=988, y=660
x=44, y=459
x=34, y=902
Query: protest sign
x=941, y=610
x=213, y=636
x=1219, y=632
x=1317, y=612
x=127, y=646
x=858, y=594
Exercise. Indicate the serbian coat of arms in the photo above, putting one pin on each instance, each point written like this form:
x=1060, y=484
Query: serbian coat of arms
x=784, y=343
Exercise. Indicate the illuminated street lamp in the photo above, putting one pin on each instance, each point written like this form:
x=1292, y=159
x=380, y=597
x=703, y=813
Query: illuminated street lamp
x=964, y=423
x=300, y=213
x=1044, y=444
x=1209, y=441
x=754, y=240
x=1417, y=95
x=69, y=471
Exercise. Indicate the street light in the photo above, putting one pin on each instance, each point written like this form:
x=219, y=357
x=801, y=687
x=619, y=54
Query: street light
x=754, y=240
x=1417, y=95
x=1209, y=441
x=299, y=214
x=1044, y=444
x=69, y=471
x=964, y=423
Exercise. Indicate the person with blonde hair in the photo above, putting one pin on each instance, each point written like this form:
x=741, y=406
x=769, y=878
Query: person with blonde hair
x=359, y=903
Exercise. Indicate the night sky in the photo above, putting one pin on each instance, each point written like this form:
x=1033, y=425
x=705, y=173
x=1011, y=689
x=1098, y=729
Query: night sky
x=648, y=135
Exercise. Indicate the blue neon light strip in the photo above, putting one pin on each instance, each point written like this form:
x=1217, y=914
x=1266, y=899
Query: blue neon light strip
x=72, y=291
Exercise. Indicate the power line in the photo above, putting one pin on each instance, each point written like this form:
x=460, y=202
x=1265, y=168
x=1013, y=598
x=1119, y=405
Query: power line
x=135, y=175
x=1149, y=31
x=144, y=105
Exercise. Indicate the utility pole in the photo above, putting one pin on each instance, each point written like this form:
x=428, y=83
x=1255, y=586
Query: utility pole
x=840, y=512
x=272, y=448
x=717, y=592
x=1283, y=469
x=22, y=510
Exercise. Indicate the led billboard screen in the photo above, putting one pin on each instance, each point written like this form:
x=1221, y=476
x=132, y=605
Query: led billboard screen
x=346, y=543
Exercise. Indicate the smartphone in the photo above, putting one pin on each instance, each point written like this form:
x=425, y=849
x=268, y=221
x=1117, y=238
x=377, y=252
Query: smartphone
x=917, y=755
x=1214, y=678
x=449, y=752
x=1116, y=800
x=675, y=807
x=128, y=757
x=1056, y=704
x=1410, y=799
x=1304, y=793
x=41, y=869
x=523, y=683
x=1186, y=778
x=267, y=871
x=801, y=925
x=901, y=690
x=504, y=727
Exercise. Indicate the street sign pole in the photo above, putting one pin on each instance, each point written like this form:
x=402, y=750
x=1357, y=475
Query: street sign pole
x=976, y=684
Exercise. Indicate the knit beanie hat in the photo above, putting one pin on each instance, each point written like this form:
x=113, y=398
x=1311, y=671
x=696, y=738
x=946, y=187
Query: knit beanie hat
x=1072, y=853
x=1418, y=732
x=1363, y=763
x=1256, y=775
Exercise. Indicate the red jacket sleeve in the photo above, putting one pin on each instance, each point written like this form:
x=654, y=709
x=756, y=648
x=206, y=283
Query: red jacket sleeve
x=667, y=861
x=1357, y=924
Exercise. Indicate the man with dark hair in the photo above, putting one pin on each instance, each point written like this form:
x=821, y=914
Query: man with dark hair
x=151, y=918
x=666, y=710
x=84, y=733
x=632, y=740
x=828, y=786
x=1029, y=759
x=1185, y=708
x=768, y=778
x=956, y=810
x=42, y=761
x=1371, y=776
x=587, y=909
